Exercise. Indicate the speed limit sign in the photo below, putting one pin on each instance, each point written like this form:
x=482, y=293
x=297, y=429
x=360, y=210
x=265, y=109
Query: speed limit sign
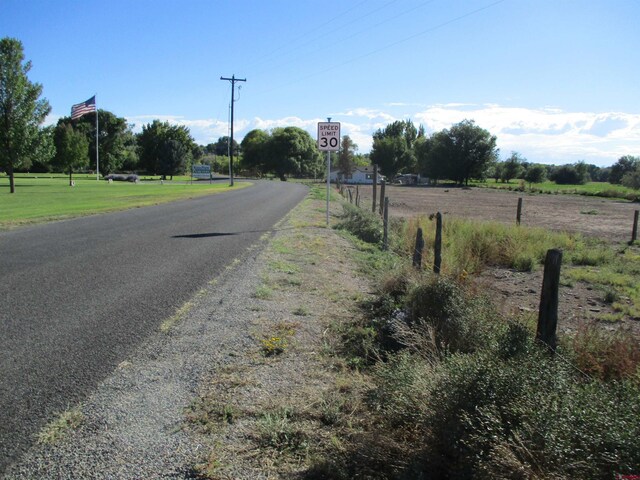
x=328, y=136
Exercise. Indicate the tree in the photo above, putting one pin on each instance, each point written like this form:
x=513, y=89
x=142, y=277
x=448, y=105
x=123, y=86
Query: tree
x=45, y=150
x=292, y=151
x=535, y=174
x=632, y=179
x=21, y=110
x=116, y=142
x=72, y=149
x=575, y=174
x=625, y=164
x=473, y=150
x=346, y=156
x=511, y=167
x=221, y=147
x=431, y=153
x=254, y=151
x=159, y=156
x=173, y=157
x=460, y=153
x=393, y=146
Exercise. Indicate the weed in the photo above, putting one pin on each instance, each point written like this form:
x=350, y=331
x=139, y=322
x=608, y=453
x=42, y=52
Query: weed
x=606, y=355
x=208, y=414
x=273, y=346
x=181, y=312
x=301, y=311
x=60, y=426
x=365, y=225
x=278, y=431
x=278, y=341
x=284, y=267
x=263, y=292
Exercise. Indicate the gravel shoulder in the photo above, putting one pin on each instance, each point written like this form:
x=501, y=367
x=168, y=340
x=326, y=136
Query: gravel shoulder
x=196, y=399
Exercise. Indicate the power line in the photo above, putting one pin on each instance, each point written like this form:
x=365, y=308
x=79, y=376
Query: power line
x=306, y=34
x=386, y=47
x=359, y=32
x=325, y=34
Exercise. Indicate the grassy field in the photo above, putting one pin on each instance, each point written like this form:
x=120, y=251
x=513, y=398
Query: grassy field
x=596, y=189
x=41, y=198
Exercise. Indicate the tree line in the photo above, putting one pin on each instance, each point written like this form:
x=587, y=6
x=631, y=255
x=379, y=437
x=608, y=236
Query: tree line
x=466, y=151
x=460, y=153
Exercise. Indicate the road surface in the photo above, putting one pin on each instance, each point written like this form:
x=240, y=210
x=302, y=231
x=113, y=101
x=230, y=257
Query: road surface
x=77, y=296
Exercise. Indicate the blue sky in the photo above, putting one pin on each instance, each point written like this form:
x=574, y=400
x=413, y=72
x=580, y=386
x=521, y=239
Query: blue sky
x=556, y=80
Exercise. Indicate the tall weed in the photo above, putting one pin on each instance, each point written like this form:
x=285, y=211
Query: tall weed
x=470, y=245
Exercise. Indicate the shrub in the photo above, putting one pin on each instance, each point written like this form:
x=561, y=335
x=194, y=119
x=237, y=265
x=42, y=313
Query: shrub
x=529, y=418
x=459, y=319
x=606, y=355
x=365, y=225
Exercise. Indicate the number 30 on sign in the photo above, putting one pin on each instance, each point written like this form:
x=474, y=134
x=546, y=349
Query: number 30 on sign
x=328, y=136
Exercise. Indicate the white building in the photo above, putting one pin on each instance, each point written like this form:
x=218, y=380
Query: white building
x=360, y=175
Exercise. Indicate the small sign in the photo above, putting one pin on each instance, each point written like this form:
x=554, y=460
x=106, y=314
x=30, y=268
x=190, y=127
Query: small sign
x=328, y=136
x=201, y=172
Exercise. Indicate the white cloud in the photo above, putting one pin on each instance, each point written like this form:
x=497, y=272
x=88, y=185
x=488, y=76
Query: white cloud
x=546, y=134
x=204, y=131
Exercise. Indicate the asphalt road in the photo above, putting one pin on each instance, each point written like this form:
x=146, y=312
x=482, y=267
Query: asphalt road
x=76, y=297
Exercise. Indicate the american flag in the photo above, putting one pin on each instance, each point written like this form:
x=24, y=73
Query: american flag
x=79, y=109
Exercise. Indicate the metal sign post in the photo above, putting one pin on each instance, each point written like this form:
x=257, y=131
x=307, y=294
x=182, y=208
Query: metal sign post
x=328, y=141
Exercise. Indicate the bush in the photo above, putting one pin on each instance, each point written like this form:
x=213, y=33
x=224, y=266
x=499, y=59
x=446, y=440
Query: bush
x=529, y=418
x=365, y=225
x=458, y=319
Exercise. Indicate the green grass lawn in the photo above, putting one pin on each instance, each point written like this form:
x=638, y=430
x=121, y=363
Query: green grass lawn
x=41, y=198
x=597, y=189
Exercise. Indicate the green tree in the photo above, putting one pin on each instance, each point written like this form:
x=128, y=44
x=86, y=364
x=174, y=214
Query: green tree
x=575, y=174
x=632, y=179
x=512, y=167
x=221, y=147
x=254, y=151
x=292, y=151
x=495, y=171
x=346, y=163
x=115, y=146
x=174, y=157
x=21, y=110
x=72, y=149
x=624, y=165
x=460, y=153
x=130, y=158
x=392, y=148
x=432, y=154
x=159, y=156
x=535, y=174
x=473, y=150
x=45, y=150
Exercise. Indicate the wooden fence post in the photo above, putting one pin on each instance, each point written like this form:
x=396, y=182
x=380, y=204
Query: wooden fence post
x=357, y=196
x=417, y=250
x=382, y=195
x=634, y=232
x=385, y=236
x=519, y=214
x=350, y=195
x=437, y=247
x=548, y=312
x=375, y=187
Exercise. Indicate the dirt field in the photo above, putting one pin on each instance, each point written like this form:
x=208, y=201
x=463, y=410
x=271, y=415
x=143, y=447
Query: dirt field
x=593, y=216
x=515, y=292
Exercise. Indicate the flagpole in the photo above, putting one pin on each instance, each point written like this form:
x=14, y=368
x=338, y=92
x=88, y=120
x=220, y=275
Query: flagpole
x=97, y=145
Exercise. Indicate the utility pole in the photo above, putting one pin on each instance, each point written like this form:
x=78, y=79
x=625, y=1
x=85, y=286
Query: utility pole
x=233, y=81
